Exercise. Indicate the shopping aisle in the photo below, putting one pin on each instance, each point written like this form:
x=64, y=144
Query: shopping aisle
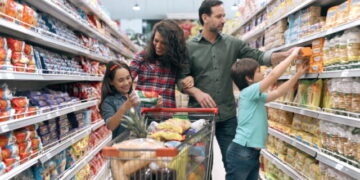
x=218, y=172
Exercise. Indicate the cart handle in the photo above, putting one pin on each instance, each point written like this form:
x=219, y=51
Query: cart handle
x=198, y=110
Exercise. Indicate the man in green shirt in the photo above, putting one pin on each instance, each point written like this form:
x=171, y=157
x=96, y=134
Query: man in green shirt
x=211, y=55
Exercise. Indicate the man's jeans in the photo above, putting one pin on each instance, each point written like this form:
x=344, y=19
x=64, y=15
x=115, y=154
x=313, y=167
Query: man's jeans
x=243, y=163
x=225, y=133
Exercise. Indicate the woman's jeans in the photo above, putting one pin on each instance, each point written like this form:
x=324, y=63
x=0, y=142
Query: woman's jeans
x=242, y=162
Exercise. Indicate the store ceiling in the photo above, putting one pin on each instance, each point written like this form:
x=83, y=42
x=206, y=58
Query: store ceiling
x=158, y=9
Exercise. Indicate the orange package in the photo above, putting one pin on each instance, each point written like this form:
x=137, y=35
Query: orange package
x=22, y=136
x=4, y=116
x=31, y=111
x=316, y=64
x=3, y=6
x=31, y=68
x=4, y=104
x=19, y=113
x=29, y=16
x=306, y=51
x=14, y=9
x=25, y=147
x=7, y=139
x=318, y=43
x=3, y=54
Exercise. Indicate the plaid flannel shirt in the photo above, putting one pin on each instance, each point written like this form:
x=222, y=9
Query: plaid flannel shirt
x=154, y=78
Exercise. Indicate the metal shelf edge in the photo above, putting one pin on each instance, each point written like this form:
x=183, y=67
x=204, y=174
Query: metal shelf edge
x=339, y=165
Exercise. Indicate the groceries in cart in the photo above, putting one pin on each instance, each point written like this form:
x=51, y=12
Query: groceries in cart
x=176, y=146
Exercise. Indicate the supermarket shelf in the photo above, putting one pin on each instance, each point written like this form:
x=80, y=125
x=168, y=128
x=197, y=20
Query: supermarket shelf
x=303, y=147
x=21, y=32
x=98, y=124
x=306, y=40
x=72, y=171
x=339, y=165
x=19, y=169
x=306, y=76
x=89, y=8
x=328, y=74
x=18, y=123
x=297, y=110
x=102, y=173
x=12, y=75
x=61, y=14
x=285, y=168
x=255, y=33
x=340, y=119
x=237, y=28
x=346, y=120
x=75, y=137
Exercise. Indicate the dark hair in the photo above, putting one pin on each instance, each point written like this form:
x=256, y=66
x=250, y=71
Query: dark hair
x=241, y=69
x=205, y=8
x=175, y=48
x=107, y=89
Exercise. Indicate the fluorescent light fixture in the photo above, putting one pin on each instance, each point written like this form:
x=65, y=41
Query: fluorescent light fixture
x=234, y=7
x=136, y=7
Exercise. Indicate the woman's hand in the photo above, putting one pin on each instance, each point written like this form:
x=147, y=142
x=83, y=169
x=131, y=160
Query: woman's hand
x=159, y=102
x=302, y=69
x=188, y=82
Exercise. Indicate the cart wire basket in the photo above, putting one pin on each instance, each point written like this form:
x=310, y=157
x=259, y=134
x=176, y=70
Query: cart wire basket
x=188, y=159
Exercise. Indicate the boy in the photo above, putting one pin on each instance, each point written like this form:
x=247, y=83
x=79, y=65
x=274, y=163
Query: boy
x=251, y=132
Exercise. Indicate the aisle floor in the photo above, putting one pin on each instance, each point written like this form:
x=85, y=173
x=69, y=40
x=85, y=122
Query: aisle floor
x=218, y=172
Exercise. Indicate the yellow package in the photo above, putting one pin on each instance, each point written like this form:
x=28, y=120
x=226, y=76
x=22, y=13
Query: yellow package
x=343, y=12
x=167, y=136
x=354, y=13
x=331, y=17
x=314, y=94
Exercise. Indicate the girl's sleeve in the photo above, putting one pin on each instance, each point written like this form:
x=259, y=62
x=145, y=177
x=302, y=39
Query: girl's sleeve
x=107, y=110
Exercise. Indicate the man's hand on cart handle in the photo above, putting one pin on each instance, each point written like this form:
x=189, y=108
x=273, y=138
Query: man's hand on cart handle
x=204, y=99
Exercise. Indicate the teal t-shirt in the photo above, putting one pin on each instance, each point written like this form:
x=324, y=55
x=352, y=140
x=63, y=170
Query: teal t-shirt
x=252, y=125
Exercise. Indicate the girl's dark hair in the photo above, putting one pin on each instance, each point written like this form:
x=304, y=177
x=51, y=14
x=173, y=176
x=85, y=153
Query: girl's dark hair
x=107, y=89
x=243, y=68
x=175, y=48
x=205, y=8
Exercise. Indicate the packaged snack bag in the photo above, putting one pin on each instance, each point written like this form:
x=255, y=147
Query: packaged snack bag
x=29, y=16
x=331, y=17
x=146, y=97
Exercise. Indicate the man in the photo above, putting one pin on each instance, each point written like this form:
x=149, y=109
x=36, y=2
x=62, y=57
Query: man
x=211, y=56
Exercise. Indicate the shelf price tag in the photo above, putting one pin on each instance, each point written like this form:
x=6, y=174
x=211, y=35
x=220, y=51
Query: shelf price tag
x=339, y=167
x=344, y=73
x=4, y=128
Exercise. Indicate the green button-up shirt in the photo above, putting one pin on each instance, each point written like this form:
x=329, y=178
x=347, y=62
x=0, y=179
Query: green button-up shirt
x=210, y=66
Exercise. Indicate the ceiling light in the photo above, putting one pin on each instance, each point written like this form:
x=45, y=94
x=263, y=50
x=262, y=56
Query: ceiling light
x=234, y=7
x=136, y=7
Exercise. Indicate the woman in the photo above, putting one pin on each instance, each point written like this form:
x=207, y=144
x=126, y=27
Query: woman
x=117, y=96
x=158, y=67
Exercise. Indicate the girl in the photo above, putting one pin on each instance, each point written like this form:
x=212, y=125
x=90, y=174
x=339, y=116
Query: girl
x=117, y=96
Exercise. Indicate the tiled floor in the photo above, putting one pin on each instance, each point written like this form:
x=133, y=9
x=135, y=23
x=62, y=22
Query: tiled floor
x=218, y=172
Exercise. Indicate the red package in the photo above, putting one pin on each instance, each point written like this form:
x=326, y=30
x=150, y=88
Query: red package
x=3, y=53
x=10, y=9
x=10, y=163
x=32, y=111
x=36, y=143
x=4, y=116
x=15, y=45
x=31, y=69
x=4, y=104
x=7, y=139
x=19, y=67
x=24, y=156
x=10, y=151
x=19, y=102
x=19, y=58
x=28, y=50
x=29, y=16
x=19, y=113
x=25, y=147
x=24, y=135
x=94, y=67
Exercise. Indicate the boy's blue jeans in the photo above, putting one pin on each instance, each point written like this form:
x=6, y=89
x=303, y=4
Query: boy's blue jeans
x=242, y=163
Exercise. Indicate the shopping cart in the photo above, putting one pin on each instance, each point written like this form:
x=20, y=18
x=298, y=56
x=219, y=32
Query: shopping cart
x=188, y=160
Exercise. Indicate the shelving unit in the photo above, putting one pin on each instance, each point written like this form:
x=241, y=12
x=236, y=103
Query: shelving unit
x=48, y=154
x=346, y=120
x=120, y=44
x=339, y=165
x=102, y=173
x=80, y=164
x=281, y=165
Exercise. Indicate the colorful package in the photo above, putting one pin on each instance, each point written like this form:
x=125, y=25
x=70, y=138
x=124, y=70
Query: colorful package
x=15, y=45
x=7, y=139
x=4, y=115
x=29, y=16
x=4, y=104
x=22, y=136
x=10, y=151
x=36, y=143
x=147, y=97
x=19, y=102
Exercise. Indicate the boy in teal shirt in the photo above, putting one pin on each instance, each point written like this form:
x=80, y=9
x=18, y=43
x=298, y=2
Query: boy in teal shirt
x=251, y=132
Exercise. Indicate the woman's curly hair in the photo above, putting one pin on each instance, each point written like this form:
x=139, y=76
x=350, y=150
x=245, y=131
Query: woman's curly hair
x=175, y=47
